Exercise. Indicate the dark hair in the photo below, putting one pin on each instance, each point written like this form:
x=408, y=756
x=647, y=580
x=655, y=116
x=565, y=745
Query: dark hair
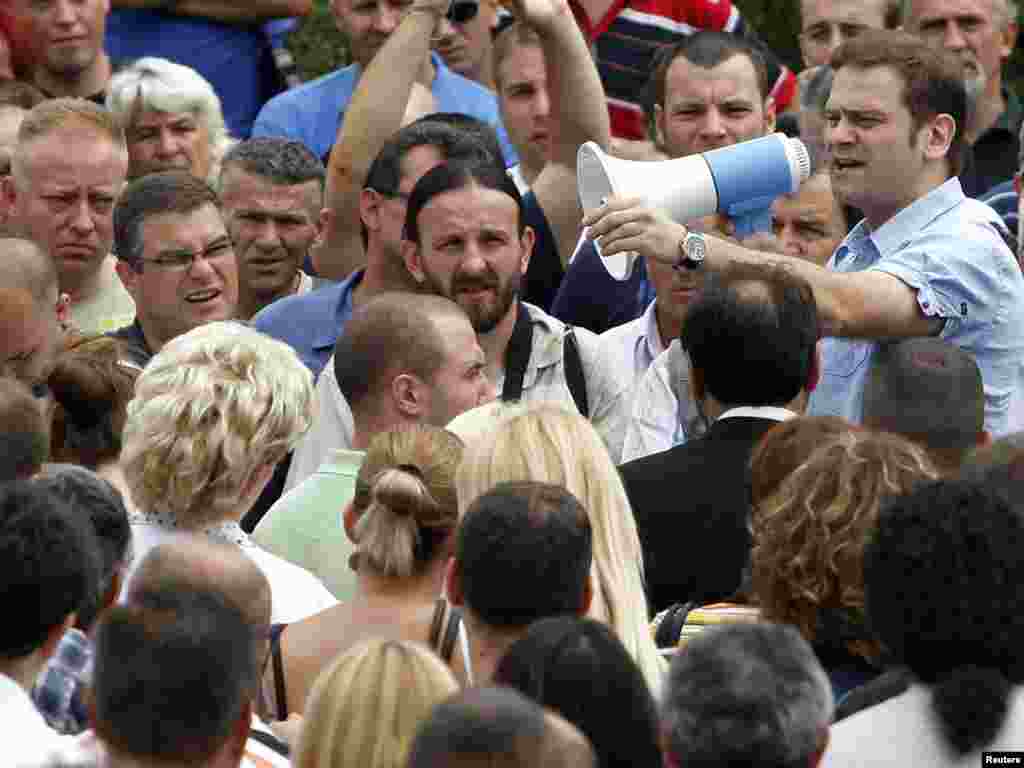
x=511, y=33
x=535, y=536
x=929, y=391
x=579, y=669
x=283, y=162
x=746, y=694
x=494, y=727
x=753, y=348
x=24, y=432
x=101, y=503
x=385, y=172
x=933, y=79
x=92, y=385
x=942, y=576
x=173, y=674
x=707, y=49
x=451, y=176
x=151, y=195
x=48, y=564
x=472, y=127
x=392, y=333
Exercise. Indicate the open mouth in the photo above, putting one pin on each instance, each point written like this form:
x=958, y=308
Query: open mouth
x=202, y=297
x=844, y=164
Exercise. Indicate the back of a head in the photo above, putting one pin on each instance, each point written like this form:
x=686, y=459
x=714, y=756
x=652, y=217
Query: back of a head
x=496, y=728
x=929, y=391
x=579, y=669
x=48, y=565
x=474, y=128
x=173, y=675
x=214, y=406
x=188, y=562
x=28, y=268
x=365, y=707
x=809, y=536
x=92, y=385
x=534, y=536
x=392, y=333
x=754, y=342
x=943, y=576
x=405, y=498
x=24, y=432
x=746, y=694
x=102, y=504
x=785, y=447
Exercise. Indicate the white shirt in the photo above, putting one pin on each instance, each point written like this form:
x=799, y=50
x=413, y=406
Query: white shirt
x=662, y=413
x=333, y=429
x=295, y=592
x=633, y=346
x=772, y=412
x=28, y=738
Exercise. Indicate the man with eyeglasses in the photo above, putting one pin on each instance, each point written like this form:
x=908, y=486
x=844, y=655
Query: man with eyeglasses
x=313, y=112
x=175, y=257
x=463, y=38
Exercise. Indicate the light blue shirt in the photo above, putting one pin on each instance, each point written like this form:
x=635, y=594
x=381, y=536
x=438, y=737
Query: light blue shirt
x=313, y=112
x=947, y=248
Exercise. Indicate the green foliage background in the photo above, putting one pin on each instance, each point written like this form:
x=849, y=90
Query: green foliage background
x=318, y=47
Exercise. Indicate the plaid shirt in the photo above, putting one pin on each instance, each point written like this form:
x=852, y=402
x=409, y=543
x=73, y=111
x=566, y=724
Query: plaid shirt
x=58, y=691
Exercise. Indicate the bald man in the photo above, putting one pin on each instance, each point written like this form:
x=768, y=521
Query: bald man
x=33, y=315
x=196, y=562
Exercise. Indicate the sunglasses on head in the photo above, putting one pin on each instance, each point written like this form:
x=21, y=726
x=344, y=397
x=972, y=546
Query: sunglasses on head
x=463, y=12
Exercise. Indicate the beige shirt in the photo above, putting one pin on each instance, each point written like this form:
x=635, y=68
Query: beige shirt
x=110, y=308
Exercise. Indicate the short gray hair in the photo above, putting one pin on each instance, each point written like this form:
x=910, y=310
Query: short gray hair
x=152, y=83
x=283, y=162
x=746, y=693
x=1005, y=11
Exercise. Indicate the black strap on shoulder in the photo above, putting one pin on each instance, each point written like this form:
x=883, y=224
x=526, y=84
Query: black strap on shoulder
x=280, y=692
x=270, y=741
x=671, y=626
x=574, y=377
x=517, y=355
x=451, y=632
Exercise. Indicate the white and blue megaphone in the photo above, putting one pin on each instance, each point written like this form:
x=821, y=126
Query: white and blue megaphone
x=740, y=181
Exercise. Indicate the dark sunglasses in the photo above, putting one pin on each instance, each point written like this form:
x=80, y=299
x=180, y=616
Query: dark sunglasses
x=463, y=12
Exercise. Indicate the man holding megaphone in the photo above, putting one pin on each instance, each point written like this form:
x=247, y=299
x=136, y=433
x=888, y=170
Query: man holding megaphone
x=925, y=261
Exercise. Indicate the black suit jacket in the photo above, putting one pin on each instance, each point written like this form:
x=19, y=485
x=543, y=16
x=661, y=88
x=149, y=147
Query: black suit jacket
x=692, y=505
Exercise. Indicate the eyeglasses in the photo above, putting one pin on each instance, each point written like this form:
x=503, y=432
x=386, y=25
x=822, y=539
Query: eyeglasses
x=463, y=12
x=182, y=261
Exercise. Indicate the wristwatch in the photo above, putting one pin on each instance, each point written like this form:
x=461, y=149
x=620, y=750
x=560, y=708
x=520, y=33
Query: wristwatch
x=691, y=251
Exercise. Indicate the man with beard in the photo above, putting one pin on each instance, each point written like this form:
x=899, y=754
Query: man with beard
x=466, y=238
x=981, y=34
x=67, y=170
x=66, y=41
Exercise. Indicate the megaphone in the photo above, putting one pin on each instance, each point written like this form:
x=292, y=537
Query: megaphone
x=740, y=181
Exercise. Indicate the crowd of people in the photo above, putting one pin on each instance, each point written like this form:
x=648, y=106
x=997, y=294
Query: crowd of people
x=327, y=439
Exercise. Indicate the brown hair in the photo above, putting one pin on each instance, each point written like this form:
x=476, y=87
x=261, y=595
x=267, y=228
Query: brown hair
x=405, y=497
x=933, y=81
x=514, y=35
x=809, y=536
x=785, y=447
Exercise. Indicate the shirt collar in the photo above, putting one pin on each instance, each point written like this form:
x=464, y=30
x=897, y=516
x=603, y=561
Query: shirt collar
x=225, y=532
x=894, y=234
x=327, y=336
x=772, y=412
x=652, y=336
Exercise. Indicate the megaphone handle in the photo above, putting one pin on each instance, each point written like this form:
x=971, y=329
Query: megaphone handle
x=753, y=221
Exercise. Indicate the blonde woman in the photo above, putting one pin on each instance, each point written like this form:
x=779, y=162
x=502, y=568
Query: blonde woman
x=549, y=444
x=213, y=412
x=365, y=708
x=809, y=538
x=401, y=521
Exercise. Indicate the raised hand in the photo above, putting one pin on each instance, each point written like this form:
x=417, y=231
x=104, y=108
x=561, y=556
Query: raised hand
x=540, y=14
x=624, y=224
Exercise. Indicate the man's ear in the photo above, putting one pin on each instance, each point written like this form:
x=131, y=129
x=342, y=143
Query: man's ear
x=659, y=125
x=453, y=583
x=129, y=277
x=939, y=136
x=526, y=242
x=409, y=396
x=1008, y=39
x=369, y=208
x=9, y=192
x=769, y=115
x=348, y=519
x=412, y=256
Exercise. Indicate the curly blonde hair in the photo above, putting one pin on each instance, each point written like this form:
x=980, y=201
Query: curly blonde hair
x=809, y=536
x=215, y=405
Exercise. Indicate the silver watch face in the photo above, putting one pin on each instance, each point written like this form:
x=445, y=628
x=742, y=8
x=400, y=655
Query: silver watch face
x=695, y=247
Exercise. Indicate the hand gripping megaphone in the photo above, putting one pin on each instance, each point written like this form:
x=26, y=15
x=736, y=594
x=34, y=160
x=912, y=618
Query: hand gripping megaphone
x=739, y=181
